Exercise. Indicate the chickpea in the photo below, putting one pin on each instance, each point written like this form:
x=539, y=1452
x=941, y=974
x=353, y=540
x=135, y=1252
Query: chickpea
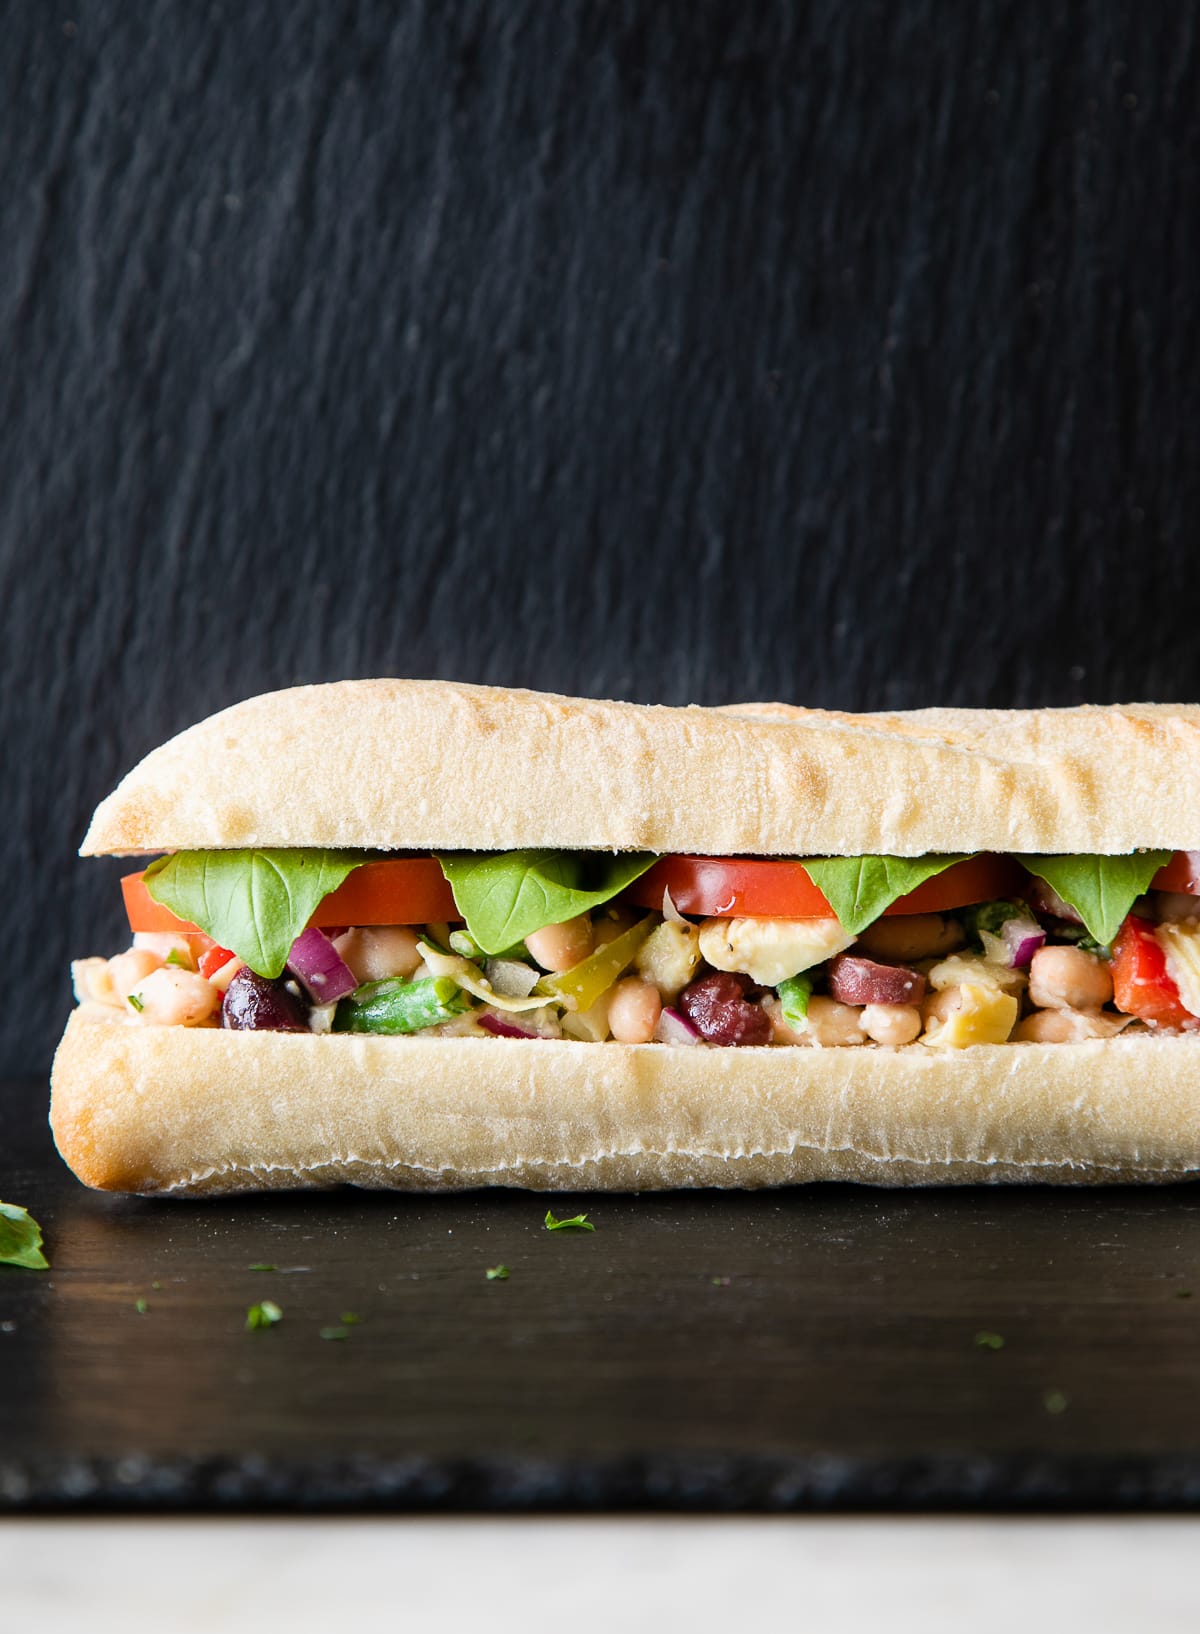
x=1046, y=1027
x=127, y=970
x=1068, y=1026
x=891, y=1023
x=176, y=998
x=908, y=936
x=612, y=923
x=376, y=952
x=166, y=943
x=1067, y=978
x=560, y=947
x=830, y=1023
x=941, y=1005
x=633, y=1011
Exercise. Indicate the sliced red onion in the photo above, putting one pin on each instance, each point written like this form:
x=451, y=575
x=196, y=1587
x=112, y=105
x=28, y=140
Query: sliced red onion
x=1022, y=938
x=500, y=1028
x=674, y=1028
x=317, y=963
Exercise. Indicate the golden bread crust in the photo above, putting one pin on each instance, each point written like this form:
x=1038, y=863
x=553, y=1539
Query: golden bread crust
x=195, y=1112
x=429, y=765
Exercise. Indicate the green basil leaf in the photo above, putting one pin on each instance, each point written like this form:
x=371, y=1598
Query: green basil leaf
x=21, y=1239
x=858, y=889
x=505, y=896
x=1100, y=889
x=254, y=902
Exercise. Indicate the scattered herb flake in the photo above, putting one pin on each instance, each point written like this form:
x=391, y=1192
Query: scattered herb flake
x=497, y=1273
x=335, y=1333
x=177, y=959
x=156, y=1286
x=141, y=1307
x=21, y=1239
x=137, y=1003
x=1055, y=1402
x=264, y=1315
x=261, y=1265
x=1183, y=1293
x=348, y=1319
x=720, y=1282
x=990, y=1341
x=578, y=1222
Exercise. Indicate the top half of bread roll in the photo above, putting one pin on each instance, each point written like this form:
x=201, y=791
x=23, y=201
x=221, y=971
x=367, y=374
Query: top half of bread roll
x=429, y=765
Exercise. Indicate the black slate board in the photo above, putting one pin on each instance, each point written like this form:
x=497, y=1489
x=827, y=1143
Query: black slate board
x=809, y=1349
x=846, y=354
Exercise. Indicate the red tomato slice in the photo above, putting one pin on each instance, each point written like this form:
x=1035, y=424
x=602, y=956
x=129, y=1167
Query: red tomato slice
x=771, y=888
x=395, y=891
x=1142, y=986
x=1182, y=873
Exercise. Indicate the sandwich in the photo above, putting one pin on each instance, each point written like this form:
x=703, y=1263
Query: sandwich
x=433, y=936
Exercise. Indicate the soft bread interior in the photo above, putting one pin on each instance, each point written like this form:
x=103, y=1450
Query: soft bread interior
x=205, y=1111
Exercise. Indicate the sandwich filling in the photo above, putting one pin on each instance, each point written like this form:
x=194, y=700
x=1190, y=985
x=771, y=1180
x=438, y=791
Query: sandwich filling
x=943, y=952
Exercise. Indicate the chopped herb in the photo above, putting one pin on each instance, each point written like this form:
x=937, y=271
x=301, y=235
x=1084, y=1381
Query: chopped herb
x=177, y=959
x=721, y=1282
x=348, y=1319
x=335, y=1333
x=263, y=1316
x=1055, y=1402
x=578, y=1222
x=136, y=1003
x=497, y=1273
x=1183, y=1293
x=156, y=1286
x=262, y=1265
x=21, y=1239
x=141, y=1307
x=990, y=1341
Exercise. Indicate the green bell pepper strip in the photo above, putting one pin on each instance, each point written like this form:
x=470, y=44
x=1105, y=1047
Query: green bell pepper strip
x=794, y=994
x=396, y=1006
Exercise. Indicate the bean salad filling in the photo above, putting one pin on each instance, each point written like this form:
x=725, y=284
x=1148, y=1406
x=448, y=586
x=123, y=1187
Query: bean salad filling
x=678, y=951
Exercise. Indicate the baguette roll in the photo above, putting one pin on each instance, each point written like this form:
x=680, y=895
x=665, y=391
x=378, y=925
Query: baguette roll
x=432, y=766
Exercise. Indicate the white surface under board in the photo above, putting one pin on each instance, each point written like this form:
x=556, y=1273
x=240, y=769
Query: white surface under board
x=611, y=1575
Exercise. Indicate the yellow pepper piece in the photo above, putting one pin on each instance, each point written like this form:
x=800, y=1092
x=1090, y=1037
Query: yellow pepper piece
x=984, y=1016
x=580, y=987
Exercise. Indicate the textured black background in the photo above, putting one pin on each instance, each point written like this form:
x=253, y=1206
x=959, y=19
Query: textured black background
x=845, y=352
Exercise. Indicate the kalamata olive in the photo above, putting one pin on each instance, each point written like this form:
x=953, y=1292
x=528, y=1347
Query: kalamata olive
x=255, y=1002
x=853, y=980
x=721, y=1013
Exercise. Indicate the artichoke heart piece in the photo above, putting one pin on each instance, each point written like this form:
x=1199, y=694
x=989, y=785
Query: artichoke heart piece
x=771, y=950
x=983, y=1015
x=472, y=980
x=1181, y=947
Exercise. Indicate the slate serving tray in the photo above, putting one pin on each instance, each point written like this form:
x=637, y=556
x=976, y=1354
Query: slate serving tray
x=811, y=1349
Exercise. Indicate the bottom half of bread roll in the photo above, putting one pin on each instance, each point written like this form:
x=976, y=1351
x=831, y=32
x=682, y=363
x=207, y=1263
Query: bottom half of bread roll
x=198, y=1111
